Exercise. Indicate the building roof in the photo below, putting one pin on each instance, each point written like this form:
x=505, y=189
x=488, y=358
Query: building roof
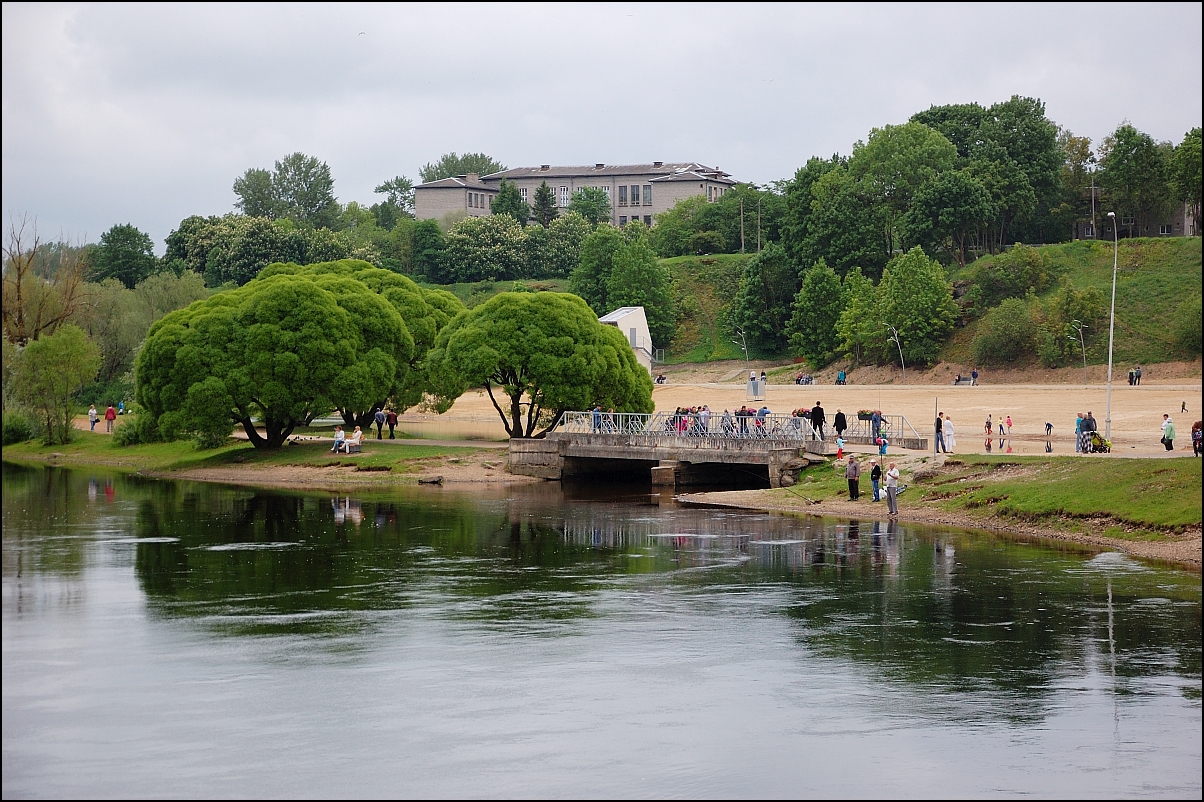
x=619, y=314
x=456, y=182
x=662, y=169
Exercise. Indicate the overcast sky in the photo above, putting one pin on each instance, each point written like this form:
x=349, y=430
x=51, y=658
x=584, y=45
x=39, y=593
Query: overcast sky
x=146, y=114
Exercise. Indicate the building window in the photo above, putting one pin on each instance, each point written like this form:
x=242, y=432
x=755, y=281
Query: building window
x=622, y=220
x=623, y=195
x=710, y=194
x=489, y=200
x=1165, y=230
x=607, y=191
x=522, y=191
x=564, y=197
x=648, y=220
x=647, y=194
x=1088, y=231
x=635, y=195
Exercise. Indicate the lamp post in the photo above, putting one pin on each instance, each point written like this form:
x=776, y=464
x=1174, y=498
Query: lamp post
x=1078, y=328
x=1111, y=327
x=894, y=338
x=744, y=345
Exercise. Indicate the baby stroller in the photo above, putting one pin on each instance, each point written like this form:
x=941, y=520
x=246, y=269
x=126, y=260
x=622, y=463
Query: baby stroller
x=1096, y=444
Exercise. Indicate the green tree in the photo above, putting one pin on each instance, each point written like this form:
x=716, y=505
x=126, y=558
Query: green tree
x=50, y=371
x=124, y=253
x=1134, y=176
x=857, y=326
x=915, y=298
x=798, y=199
x=707, y=242
x=817, y=308
x=1057, y=339
x=399, y=194
x=675, y=228
x=546, y=353
x=510, y=201
x=637, y=279
x=304, y=191
x=256, y=195
x=846, y=228
x=279, y=350
x=544, y=209
x=589, y=279
x=450, y=164
x=761, y=308
x=554, y=252
x=1005, y=334
x=946, y=214
x=591, y=203
x=484, y=248
x=427, y=251
x=1185, y=173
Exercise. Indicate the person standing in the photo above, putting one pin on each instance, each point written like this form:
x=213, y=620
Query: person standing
x=1009, y=425
x=1078, y=432
x=940, y=432
x=1137, y=375
x=818, y=419
x=379, y=417
x=892, y=490
x=596, y=419
x=391, y=419
x=1197, y=438
x=93, y=417
x=974, y=377
x=110, y=416
x=852, y=472
x=988, y=426
x=1130, y=377
x=839, y=423
x=875, y=478
x=1001, y=427
x=1168, y=433
x=949, y=435
x=876, y=424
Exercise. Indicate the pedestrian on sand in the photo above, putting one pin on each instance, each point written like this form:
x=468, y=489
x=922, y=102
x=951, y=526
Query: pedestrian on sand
x=1137, y=375
x=379, y=417
x=93, y=417
x=1078, y=432
x=988, y=426
x=950, y=439
x=839, y=423
x=974, y=377
x=1183, y=406
x=818, y=419
x=875, y=477
x=1048, y=428
x=110, y=416
x=1130, y=377
x=1009, y=425
x=892, y=490
x=852, y=472
x=391, y=419
x=940, y=432
x=1168, y=433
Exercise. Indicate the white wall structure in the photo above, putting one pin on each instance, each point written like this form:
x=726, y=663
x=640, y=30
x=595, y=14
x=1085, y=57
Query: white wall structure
x=632, y=321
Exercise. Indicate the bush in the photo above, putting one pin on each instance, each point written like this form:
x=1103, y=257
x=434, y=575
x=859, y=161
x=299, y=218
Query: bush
x=17, y=428
x=705, y=242
x=208, y=440
x=136, y=429
x=1186, y=326
x=1005, y=334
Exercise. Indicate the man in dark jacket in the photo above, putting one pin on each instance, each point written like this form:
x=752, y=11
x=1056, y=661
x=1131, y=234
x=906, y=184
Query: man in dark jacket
x=379, y=417
x=391, y=419
x=839, y=423
x=818, y=420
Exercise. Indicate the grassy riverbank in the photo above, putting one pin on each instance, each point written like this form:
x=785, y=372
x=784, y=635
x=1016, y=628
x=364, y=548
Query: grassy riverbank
x=99, y=450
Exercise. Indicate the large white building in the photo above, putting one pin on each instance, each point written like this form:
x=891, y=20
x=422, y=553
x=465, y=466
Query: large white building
x=637, y=191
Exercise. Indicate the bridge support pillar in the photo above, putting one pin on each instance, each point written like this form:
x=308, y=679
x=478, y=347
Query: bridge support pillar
x=665, y=474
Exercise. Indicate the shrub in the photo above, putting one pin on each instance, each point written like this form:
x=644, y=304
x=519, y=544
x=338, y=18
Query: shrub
x=704, y=242
x=17, y=428
x=1005, y=334
x=136, y=429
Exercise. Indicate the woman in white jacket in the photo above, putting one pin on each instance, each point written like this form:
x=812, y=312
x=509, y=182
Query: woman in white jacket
x=950, y=440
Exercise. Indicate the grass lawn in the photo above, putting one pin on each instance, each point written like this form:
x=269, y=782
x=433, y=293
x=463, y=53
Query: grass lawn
x=703, y=288
x=1142, y=495
x=99, y=449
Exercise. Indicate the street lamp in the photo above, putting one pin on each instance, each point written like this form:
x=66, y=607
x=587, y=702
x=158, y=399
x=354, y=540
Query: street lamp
x=1078, y=327
x=894, y=338
x=1111, y=327
x=743, y=344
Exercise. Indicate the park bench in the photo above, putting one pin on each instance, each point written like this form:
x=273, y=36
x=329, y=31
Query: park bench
x=963, y=381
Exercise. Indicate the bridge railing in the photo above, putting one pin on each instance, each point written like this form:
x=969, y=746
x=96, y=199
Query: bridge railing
x=714, y=427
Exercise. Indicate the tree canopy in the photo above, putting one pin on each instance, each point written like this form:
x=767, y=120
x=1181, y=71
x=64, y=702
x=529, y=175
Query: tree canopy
x=300, y=188
x=538, y=355
x=817, y=308
x=592, y=203
x=916, y=299
x=638, y=279
x=510, y=201
x=589, y=279
x=124, y=253
x=49, y=372
x=451, y=164
x=761, y=308
x=544, y=209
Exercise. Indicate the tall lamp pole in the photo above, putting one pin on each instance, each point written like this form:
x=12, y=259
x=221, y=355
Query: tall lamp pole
x=1078, y=326
x=1111, y=327
x=744, y=346
x=895, y=339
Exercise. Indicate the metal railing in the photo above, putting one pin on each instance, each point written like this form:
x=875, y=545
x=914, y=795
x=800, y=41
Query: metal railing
x=721, y=427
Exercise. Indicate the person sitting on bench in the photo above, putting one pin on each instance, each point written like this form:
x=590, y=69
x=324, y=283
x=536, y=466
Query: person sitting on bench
x=353, y=441
x=339, y=437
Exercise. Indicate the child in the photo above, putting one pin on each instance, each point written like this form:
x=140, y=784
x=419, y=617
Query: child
x=839, y=448
x=1048, y=428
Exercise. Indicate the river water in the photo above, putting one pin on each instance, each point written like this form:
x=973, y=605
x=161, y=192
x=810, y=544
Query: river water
x=176, y=639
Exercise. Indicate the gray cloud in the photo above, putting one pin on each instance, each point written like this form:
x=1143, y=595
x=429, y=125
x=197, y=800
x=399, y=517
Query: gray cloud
x=146, y=114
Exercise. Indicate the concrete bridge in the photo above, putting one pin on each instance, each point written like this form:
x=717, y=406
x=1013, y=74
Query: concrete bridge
x=680, y=449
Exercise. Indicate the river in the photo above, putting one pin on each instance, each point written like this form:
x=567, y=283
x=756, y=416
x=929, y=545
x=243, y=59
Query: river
x=180, y=639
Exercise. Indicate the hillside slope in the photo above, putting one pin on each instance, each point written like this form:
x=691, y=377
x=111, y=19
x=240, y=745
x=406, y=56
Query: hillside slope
x=703, y=289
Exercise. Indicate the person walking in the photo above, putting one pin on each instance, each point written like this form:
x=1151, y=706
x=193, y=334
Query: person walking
x=875, y=477
x=1048, y=428
x=950, y=441
x=839, y=423
x=1168, y=433
x=110, y=416
x=379, y=417
x=1009, y=425
x=1137, y=375
x=818, y=419
x=940, y=432
x=1001, y=427
x=596, y=419
x=93, y=417
x=852, y=472
x=391, y=419
x=892, y=490
x=1197, y=438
